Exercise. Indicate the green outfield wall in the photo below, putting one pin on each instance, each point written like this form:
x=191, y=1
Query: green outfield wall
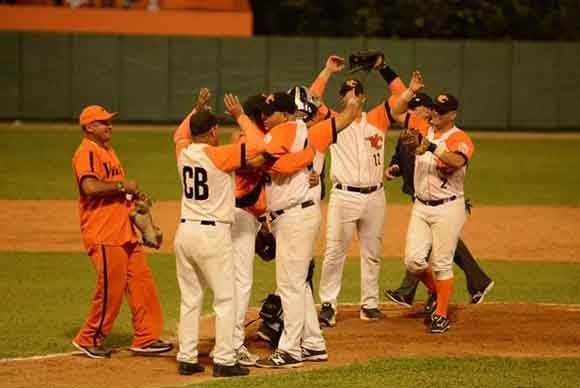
x=501, y=85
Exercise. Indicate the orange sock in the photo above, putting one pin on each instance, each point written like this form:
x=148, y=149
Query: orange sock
x=428, y=280
x=444, y=290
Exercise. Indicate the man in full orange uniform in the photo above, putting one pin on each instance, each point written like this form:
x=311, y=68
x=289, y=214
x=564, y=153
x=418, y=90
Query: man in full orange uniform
x=111, y=242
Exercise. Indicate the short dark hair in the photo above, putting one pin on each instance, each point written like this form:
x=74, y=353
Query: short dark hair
x=253, y=108
x=202, y=122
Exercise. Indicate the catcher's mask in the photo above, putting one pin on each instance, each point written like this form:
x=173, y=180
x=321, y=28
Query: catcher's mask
x=306, y=104
x=350, y=84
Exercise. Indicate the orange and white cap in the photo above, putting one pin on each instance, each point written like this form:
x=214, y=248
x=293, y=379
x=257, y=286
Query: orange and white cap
x=95, y=113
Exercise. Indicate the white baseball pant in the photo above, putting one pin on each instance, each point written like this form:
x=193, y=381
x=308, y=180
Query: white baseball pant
x=244, y=230
x=295, y=232
x=349, y=212
x=204, y=257
x=438, y=227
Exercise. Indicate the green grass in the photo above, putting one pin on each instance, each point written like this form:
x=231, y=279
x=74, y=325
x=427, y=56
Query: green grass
x=426, y=372
x=46, y=295
x=36, y=164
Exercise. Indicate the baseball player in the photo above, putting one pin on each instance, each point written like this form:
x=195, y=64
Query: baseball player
x=250, y=206
x=295, y=223
x=357, y=200
x=203, y=242
x=439, y=210
x=403, y=164
x=112, y=244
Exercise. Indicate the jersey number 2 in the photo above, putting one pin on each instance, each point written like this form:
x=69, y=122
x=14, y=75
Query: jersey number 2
x=200, y=189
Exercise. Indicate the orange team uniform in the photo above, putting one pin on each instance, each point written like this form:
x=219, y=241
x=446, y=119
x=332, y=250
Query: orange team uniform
x=249, y=183
x=119, y=259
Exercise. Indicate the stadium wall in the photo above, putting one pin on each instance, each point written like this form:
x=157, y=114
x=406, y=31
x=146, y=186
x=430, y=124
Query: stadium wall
x=501, y=85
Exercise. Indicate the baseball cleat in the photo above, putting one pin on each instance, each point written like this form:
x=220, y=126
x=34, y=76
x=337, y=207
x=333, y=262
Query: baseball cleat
x=245, y=358
x=279, y=359
x=93, y=351
x=371, y=314
x=189, y=368
x=220, y=370
x=314, y=355
x=327, y=316
x=478, y=297
x=156, y=347
x=399, y=299
x=439, y=324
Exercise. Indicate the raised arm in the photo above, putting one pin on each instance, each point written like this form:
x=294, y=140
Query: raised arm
x=334, y=64
x=400, y=102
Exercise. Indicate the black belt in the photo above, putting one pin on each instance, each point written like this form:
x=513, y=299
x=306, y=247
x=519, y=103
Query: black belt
x=202, y=222
x=303, y=205
x=362, y=190
x=436, y=202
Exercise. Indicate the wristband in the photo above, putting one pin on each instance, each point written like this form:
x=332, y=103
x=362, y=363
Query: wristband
x=388, y=74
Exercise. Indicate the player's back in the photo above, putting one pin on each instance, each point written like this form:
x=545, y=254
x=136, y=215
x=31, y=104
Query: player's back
x=207, y=190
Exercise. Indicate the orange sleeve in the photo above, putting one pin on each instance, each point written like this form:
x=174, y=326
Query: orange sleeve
x=182, y=135
x=322, y=135
x=293, y=162
x=379, y=117
x=460, y=142
x=397, y=86
x=318, y=87
x=86, y=163
x=280, y=139
x=416, y=122
x=228, y=157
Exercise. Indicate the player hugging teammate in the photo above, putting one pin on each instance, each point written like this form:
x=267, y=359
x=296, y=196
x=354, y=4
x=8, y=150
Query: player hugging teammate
x=269, y=182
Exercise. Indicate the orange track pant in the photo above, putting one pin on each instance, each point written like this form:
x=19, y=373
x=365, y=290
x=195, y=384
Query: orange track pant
x=122, y=270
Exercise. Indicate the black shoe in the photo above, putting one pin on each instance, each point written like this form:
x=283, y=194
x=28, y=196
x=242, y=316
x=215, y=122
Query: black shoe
x=439, y=324
x=399, y=299
x=314, y=355
x=158, y=346
x=371, y=314
x=220, y=370
x=477, y=298
x=279, y=359
x=93, y=351
x=188, y=368
x=327, y=316
x=430, y=307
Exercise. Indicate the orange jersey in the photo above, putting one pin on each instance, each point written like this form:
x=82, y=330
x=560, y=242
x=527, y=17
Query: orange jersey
x=104, y=220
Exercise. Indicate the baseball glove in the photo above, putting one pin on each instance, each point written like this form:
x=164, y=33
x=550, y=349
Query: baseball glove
x=411, y=139
x=363, y=60
x=265, y=245
x=140, y=216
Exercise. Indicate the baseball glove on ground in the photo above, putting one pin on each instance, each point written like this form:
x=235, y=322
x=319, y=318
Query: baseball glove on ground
x=140, y=216
x=363, y=60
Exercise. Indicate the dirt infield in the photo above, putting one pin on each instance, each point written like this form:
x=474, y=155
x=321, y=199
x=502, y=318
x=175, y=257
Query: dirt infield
x=485, y=330
x=502, y=233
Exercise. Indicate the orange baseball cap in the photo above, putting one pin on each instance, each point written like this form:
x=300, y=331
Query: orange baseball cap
x=95, y=113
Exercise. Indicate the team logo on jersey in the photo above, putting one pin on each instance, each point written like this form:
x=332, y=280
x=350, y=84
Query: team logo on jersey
x=352, y=83
x=463, y=148
x=376, y=141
